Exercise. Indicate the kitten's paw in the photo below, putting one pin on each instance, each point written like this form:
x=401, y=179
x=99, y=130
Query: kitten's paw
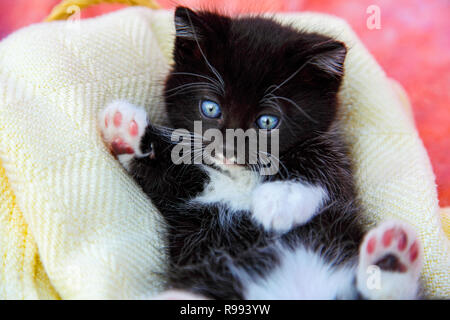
x=281, y=205
x=390, y=261
x=122, y=126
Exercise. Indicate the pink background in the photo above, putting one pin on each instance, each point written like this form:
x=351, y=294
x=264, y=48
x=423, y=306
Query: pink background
x=413, y=46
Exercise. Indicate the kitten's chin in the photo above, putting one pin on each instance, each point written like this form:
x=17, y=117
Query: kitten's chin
x=219, y=159
x=225, y=163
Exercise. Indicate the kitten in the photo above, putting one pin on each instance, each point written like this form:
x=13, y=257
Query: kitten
x=233, y=232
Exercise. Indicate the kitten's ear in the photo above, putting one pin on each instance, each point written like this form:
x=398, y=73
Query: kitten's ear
x=188, y=24
x=329, y=57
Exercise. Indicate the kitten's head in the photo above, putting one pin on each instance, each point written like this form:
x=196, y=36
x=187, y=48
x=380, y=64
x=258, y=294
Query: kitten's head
x=252, y=73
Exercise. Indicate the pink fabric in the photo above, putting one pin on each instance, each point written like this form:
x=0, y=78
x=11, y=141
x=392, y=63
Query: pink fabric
x=412, y=45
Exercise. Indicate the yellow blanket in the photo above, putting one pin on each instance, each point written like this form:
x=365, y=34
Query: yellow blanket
x=73, y=224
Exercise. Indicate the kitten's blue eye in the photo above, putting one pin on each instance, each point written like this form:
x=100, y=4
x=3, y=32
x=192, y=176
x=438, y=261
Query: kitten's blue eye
x=210, y=109
x=267, y=122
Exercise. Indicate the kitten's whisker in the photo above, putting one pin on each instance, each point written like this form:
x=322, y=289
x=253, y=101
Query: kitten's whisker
x=190, y=86
x=272, y=104
x=214, y=71
x=290, y=77
x=281, y=164
x=215, y=82
x=187, y=85
x=295, y=105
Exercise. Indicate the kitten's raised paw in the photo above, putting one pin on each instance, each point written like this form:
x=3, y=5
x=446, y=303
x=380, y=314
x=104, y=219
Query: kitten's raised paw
x=282, y=205
x=122, y=126
x=390, y=262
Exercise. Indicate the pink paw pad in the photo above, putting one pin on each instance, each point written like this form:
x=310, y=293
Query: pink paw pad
x=395, y=234
x=371, y=244
x=133, y=128
x=413, y=252
x=122, y=126
x=117, y=119
x=392, y=246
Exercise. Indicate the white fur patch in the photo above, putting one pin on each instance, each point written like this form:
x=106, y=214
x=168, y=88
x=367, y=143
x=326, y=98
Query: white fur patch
x=233, y=190
x=281, y=205
x=303, y=274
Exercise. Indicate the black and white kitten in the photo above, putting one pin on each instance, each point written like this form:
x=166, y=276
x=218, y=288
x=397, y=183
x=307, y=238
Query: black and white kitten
x=234, y=233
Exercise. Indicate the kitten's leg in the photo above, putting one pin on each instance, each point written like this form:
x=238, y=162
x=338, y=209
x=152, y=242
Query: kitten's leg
x=390, y=261
x=122, y=126
x=281, y=205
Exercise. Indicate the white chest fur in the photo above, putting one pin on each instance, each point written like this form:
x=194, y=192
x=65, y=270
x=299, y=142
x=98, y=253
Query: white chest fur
x=277, y=206
x=233, y=188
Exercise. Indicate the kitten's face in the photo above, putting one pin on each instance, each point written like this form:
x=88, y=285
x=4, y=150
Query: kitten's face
x=252, y=73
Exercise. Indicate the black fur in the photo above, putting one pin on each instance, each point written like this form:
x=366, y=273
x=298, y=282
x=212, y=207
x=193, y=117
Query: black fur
x=252, y=55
